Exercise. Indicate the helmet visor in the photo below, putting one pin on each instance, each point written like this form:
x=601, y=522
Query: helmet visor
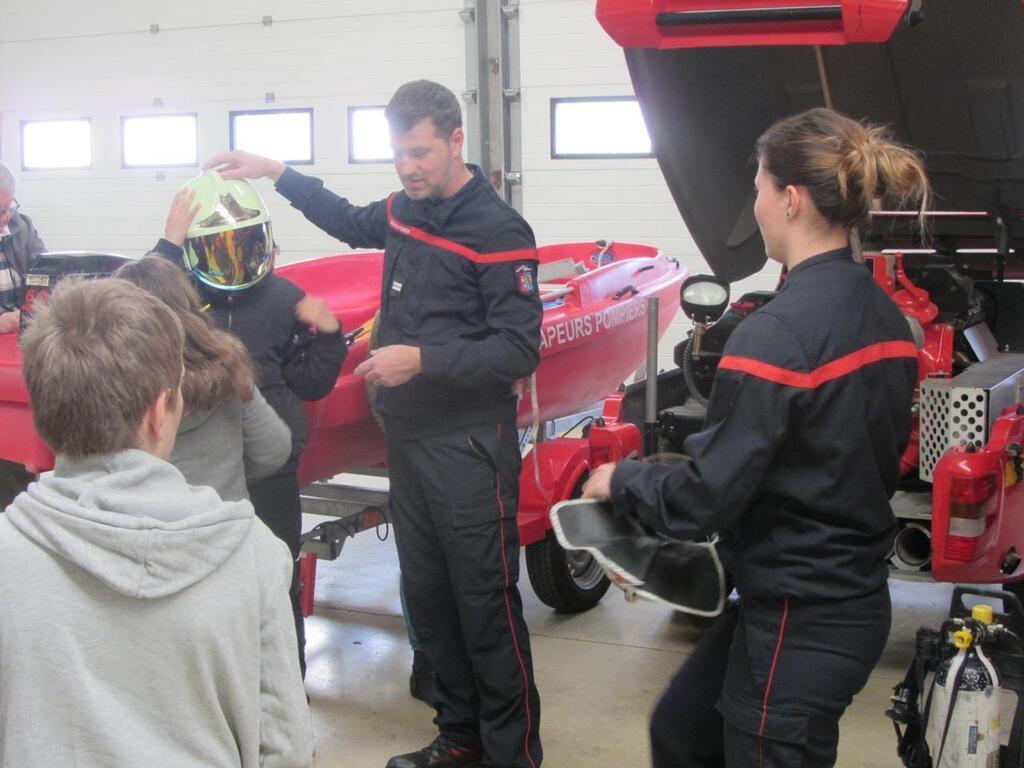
x=233, y=259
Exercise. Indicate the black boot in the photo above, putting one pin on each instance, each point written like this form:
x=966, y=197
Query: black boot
x=441, y=753
x=421, y=681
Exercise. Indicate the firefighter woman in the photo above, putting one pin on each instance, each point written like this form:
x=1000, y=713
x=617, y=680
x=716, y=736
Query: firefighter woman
x=794, y=467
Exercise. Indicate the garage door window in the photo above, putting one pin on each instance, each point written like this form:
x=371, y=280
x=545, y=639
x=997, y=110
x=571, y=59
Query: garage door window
x=369, y=140
x=159, y=141
x=56, y=144
x=283, y=134
x=605, y=127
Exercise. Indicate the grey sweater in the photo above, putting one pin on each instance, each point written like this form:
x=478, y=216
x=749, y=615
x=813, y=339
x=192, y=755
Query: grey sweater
x=144, y=622
x=232, y=444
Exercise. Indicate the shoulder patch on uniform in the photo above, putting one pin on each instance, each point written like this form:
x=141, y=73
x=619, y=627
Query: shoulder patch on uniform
x=524, y=278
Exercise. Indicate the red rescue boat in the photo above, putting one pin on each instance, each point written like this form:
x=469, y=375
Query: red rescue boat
x=593, y=337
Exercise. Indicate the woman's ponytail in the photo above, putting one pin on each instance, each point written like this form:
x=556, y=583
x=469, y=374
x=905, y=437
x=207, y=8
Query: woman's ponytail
x=849, y=168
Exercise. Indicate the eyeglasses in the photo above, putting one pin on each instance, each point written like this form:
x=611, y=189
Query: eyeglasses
x=11, y=208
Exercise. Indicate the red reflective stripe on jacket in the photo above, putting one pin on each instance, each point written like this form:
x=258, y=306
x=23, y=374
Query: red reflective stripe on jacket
x=526, y=254
x=842, y=366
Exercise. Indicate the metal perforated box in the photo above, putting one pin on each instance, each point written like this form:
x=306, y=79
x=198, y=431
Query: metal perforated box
x=960, y=410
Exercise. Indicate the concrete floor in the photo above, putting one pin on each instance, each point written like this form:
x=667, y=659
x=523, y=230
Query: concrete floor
x=599, y=673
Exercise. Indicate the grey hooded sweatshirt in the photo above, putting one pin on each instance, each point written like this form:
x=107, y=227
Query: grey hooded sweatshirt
x=233, y=444
x=144, y=622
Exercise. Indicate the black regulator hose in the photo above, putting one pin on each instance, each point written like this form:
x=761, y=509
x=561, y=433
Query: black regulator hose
x=690, y=375
x=1014, y=636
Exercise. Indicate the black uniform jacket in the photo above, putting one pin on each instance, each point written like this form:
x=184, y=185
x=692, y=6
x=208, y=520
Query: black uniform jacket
x=292, y=364
x=20, y=248
x=23, y=244
x=800, y=450
x=460, y=283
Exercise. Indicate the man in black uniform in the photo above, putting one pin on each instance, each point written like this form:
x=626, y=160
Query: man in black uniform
x=459, y=325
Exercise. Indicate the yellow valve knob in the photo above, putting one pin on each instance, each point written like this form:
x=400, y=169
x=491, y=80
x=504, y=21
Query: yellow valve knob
x=982, y=613
x=962, y=639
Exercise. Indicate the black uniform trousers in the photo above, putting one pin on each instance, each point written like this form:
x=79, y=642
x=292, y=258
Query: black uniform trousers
x=277, y=504
x=767, y=684
x=453, y=501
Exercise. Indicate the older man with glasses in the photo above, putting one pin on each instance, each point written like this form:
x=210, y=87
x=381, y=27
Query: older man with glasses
x=19, y=245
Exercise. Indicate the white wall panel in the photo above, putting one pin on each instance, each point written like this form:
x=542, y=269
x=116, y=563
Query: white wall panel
x=65, y=58
x=566, y=53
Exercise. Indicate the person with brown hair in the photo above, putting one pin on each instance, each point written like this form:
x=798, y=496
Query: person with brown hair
x=294, y=340
x=794, y=467
x=229, y=436
x=459, y=324
x=153, y=625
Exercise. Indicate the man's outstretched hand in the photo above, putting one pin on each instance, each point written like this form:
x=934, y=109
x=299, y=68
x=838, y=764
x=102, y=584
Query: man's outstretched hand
x=244, y=165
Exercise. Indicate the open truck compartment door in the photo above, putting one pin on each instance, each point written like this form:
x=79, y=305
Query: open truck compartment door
x=948, y=77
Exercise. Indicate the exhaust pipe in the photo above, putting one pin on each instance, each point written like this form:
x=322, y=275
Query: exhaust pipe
x=912, y=548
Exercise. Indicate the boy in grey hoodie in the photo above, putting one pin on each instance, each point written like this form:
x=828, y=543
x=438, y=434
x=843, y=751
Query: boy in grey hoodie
x=143, y=621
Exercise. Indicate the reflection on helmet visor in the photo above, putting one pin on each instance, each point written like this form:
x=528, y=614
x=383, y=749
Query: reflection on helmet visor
x=228, y=211
x=233, y=259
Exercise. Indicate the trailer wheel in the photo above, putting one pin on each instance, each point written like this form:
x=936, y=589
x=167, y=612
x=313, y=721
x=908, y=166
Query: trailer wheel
x=14, y=479
x=570, y=581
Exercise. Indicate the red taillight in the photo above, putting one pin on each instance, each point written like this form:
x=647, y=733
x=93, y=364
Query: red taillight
x=971, y=502
x=973, y=490
x=961, y=550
